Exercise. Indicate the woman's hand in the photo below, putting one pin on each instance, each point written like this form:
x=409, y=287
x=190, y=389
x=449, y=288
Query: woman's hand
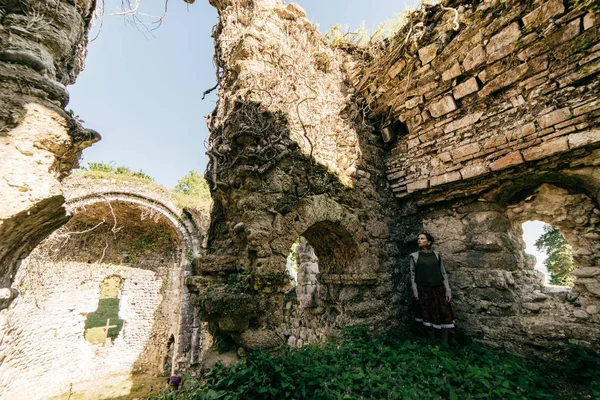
x=448, y=299
x=417, y=298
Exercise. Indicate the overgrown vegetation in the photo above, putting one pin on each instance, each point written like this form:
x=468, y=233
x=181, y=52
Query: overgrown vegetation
x=100, y=170
x=587, y=5
x=192, y=190
x=560, y=256
x=395, y=366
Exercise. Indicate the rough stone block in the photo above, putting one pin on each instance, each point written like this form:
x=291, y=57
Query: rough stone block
x=589, y=20
x=445, y=157
x=442, y=106
x=554, y=117
x=543, y=13
x=538, y=64
x=466, y=88
x=522, y=131
x=594, y=288
x=494, y=141
x=474, y=170
x=445, y=178
x=466, y=150
x=413, y=143
x=546, y=149
x=586, y=108
x=503, y=43
x=396, y=68
x=504, y=80
x=586, y=272
x=413, y=102
x=463, y=122
x=428, y=53
x=593, y=310
x=583, y=138
x=507, y=161
x=417, y=185
x=451, y=73
x=474, y=58
x=565, y=33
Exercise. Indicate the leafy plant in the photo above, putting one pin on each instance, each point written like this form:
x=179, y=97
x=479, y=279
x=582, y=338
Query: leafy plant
x=193, y=184
x=109, y=168
x=587, y=5
x=560, y=256
x=360, y=366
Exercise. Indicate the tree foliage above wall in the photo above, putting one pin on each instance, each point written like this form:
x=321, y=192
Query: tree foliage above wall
x=560, y=256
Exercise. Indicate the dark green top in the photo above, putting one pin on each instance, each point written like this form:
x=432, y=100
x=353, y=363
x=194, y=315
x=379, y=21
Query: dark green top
x=427, y=271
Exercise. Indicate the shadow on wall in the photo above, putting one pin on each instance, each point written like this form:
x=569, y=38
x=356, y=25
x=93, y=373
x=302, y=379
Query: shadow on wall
x=108, y=265
x=267, y=193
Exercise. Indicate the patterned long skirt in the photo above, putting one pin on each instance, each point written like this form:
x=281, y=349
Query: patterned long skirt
x=432, y=309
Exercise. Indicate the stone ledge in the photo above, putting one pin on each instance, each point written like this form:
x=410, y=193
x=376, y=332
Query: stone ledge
x=348, y=279
x=213, y=263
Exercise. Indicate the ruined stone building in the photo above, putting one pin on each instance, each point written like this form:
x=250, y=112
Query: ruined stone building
x=474, y=118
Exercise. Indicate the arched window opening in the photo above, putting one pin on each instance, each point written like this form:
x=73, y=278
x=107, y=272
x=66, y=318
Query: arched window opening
x=318, y=262
x=303, y=267
x=103, y=325
x=553, y=254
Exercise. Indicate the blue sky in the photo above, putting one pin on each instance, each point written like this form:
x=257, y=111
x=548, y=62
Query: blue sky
x=143, y=93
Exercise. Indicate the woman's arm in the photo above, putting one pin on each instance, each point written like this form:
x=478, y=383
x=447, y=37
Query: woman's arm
x=411, y=262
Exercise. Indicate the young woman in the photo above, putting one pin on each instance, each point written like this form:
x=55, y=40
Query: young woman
x=431, y=289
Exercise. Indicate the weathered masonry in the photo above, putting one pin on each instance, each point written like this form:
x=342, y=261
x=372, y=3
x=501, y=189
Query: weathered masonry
x=486, y=115
x=128, y=231
x=42, y=49
x=475, y=117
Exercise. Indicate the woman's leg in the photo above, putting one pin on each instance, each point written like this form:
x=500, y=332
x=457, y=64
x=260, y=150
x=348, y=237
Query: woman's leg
x=445, y=335
x=430, y=332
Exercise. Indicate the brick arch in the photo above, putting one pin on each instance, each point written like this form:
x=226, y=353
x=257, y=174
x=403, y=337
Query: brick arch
x=186, y=227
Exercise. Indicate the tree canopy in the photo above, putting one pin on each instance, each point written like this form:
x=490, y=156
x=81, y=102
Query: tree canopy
x=193, y=184
x=560, y=256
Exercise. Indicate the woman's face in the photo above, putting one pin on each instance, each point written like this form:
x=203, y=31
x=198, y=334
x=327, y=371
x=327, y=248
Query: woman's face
x=422, y=241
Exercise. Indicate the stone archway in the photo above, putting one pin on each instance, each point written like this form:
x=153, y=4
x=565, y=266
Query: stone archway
x=131, y=232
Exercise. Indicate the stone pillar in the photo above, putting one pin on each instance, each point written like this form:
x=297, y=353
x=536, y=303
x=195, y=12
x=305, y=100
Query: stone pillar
x=42, y=46
x=308, y=268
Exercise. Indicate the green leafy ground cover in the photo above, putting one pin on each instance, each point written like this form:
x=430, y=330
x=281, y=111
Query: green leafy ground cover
x=394, y=366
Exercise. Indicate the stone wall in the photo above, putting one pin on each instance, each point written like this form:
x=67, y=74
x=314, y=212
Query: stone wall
x=498, y=297
x=291, y=155
x=503, y=85
x=490, y=113
x=43, y=333
x=43, y=47
x=122, y=227
x=480, y=106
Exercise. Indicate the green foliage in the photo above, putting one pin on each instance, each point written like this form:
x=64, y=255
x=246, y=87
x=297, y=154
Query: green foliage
x=587, y=5
x=192, y=191
x=193, y=184
x=140, y=247
x=110, y=168
x=584, y=367
x=360, y=366
x=560, y=256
